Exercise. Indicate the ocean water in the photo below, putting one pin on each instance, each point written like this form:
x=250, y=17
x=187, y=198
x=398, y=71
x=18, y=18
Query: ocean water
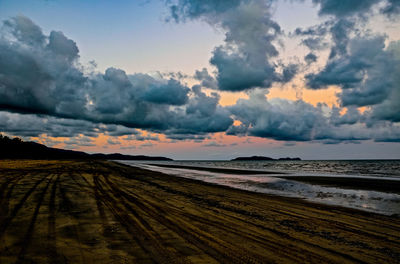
x=368, y=200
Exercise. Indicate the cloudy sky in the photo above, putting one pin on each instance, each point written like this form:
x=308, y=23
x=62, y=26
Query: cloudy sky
x=203, y=79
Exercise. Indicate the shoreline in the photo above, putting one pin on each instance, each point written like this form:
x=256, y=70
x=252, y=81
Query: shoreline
x=218, y=170
x=75, y=211
x=267, y=195
x=380, y=185
x=356, y=183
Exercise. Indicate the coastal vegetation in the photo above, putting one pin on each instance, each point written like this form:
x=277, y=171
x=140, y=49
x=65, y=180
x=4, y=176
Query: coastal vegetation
x=15, y=148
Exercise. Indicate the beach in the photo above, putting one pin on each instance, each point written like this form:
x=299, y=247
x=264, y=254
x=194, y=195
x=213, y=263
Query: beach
x=106, y=212
x=375, y=184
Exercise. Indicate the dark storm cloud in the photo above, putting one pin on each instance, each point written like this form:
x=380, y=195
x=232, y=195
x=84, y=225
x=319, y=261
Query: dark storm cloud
x=36, y=126
x=62, y=46
x=389, y=109
x=384, y=131
x=238, y=130
x=314, y=31
x=26, y=125
x=340, y=35
x=41, y=74
x=206, y=79
x=238, y=73
x=314, y=43
x=287, y=120
x=344, y=18
x=339, y=30
x=368, y=74
x=352, y=116
x=344, y=15
x=37, y=73
x=343, y=8
x=278, y=119
x=172, y=93
x=314, y=37
x=392, y=8
x=310, y=58
x=245, y=59
x=183, y=9
x=118, y=131
x=288, y=72
x=25, y=30
x=203, y=114
x=33, y=126
x=362, y=66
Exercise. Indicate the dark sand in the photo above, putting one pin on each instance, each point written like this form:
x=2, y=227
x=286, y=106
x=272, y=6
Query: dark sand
x=359, y=183
x=103, y=212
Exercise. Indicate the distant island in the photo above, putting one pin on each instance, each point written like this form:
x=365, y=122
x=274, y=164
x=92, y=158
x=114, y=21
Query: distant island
x=255, y=158
x=17, y=149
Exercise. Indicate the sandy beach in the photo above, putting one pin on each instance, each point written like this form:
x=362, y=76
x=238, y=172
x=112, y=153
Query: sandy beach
x=105, y=212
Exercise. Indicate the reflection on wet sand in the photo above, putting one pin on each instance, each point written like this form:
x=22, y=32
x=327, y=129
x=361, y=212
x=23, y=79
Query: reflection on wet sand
x=374, y=194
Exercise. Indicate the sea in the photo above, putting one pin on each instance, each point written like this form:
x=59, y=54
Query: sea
x=271, y=182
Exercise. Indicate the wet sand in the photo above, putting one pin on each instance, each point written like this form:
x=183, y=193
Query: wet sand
x=359, y=183
x=104, y=212
x=218, y=170
x=381, y=185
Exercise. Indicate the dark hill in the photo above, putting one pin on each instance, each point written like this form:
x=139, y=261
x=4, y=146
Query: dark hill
x=17, y=149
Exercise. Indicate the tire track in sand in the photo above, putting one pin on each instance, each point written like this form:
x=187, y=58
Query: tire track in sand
x=206, y=241
x=51, y=230
x=140, y=230
x=216, y=248
x=67, y=207
x=6, y=222
x=5, y=195
x=26, y=240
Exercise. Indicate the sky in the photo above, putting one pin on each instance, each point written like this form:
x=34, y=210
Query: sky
x=203, y=79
